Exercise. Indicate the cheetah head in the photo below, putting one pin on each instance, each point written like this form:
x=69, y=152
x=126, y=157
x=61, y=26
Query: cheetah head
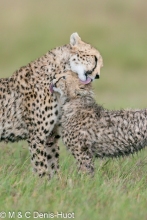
x=68, y=85
x=84, y=60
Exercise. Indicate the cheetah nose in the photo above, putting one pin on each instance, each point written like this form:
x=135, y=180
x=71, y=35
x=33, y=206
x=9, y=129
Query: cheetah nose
x=97, y=76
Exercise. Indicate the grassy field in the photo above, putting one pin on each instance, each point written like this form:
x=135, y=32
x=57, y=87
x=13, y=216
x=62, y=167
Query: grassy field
x=118, y=30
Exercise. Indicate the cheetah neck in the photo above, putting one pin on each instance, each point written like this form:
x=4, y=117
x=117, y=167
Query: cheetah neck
x=53, y=62
x=61, y=53
x=43, y=69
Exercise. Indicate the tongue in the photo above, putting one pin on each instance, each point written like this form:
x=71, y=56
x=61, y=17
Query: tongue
x=88, y=80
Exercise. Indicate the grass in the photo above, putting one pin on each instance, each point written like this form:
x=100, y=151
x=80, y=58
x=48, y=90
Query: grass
x=118, y=30
x=118, y=190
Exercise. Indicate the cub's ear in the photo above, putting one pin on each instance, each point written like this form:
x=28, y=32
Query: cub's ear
x=74, y=39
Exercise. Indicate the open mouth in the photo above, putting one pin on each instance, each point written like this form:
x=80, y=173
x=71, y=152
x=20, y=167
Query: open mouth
x=87, y=81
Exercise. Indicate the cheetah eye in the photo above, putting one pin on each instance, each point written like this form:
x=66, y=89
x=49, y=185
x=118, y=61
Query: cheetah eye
x=63, y=77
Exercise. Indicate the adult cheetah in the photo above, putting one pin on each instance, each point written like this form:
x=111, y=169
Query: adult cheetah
x=89, y=130
x=28, y=110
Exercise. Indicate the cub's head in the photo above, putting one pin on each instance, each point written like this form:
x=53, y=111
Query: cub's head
x=85, y=60
x=69, y=85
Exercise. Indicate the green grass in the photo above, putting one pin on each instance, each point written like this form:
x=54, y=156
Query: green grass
x=118, y=190
x=118, y=29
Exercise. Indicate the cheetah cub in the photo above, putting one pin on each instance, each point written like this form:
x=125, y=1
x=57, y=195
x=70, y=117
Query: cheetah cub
x=89, y=130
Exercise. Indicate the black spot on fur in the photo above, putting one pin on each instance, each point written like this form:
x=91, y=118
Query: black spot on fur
x=49, y=157
x=52, y=122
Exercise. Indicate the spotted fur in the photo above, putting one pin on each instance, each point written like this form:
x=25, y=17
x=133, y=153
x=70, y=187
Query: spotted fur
x=89, y=130
x=29, y=111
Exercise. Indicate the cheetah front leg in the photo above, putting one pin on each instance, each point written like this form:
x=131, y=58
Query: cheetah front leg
x=80, y=149
x=83, y=157
x=52, y=149
x=37, y=145
x=45, y=154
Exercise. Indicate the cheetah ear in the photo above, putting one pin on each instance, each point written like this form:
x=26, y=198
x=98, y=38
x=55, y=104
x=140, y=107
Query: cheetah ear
x=74, y=39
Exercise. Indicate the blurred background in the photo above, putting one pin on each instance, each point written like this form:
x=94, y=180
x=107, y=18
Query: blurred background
x=118, y=29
